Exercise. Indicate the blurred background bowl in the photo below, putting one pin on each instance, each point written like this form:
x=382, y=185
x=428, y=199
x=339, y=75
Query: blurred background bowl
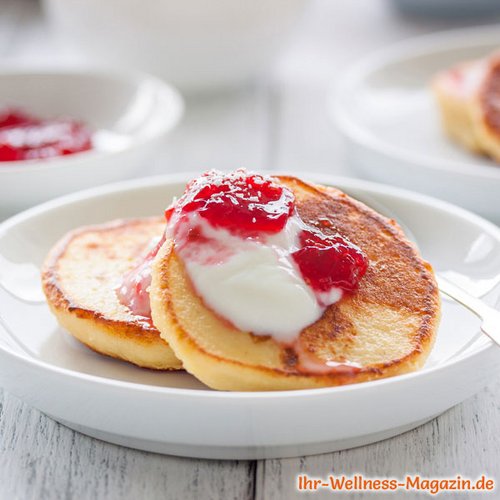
x=129, y=113
x=196, y=44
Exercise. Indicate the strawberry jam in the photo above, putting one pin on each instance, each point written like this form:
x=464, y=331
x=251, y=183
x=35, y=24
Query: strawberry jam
x=25, y=137
x=250, y=205
x=329, y=261
x=244, y=204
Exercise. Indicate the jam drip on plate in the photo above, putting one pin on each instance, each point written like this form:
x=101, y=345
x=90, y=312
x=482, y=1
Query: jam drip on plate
x=25, y=137
x=133, y=292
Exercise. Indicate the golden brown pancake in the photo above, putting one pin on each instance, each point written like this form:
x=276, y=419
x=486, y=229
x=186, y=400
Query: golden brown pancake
x=468, y=100
x=80, y=276
x=386, y=327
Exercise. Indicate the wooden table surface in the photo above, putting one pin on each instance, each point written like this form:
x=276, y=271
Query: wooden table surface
x=279, y=122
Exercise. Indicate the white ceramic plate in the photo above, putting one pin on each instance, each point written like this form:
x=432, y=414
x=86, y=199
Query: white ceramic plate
x=386, y=114
x=175, y=414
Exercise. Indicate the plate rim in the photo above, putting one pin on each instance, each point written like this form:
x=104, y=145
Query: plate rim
x=168, y=179
x=397, y=52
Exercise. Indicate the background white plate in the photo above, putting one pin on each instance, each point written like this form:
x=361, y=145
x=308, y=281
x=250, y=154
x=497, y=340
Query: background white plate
x=172, y=412
x=389, y=121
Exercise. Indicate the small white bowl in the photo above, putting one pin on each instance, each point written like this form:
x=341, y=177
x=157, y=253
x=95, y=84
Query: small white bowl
x=130, y=113
x=196, y=44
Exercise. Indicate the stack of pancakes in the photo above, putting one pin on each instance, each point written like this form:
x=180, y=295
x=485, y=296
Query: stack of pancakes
x=386, y=327
x=468, y=99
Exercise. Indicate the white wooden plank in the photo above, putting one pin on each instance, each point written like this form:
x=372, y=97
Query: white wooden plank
x=41, y=459
x=465, y=440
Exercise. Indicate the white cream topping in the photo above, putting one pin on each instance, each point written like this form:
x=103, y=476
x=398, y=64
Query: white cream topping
x=253, y=283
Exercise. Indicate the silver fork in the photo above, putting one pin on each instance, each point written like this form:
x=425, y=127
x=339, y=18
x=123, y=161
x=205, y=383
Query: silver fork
x=490, y=317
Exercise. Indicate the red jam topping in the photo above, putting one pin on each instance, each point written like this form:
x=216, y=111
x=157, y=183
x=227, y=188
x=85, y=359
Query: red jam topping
x=247, y=206
x=244, y=204
x=25, y=137
x=329, y=261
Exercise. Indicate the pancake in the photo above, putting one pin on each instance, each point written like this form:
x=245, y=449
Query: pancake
x=384, y=328
x=489, y=110
x=79, y=278
x=468, y=99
